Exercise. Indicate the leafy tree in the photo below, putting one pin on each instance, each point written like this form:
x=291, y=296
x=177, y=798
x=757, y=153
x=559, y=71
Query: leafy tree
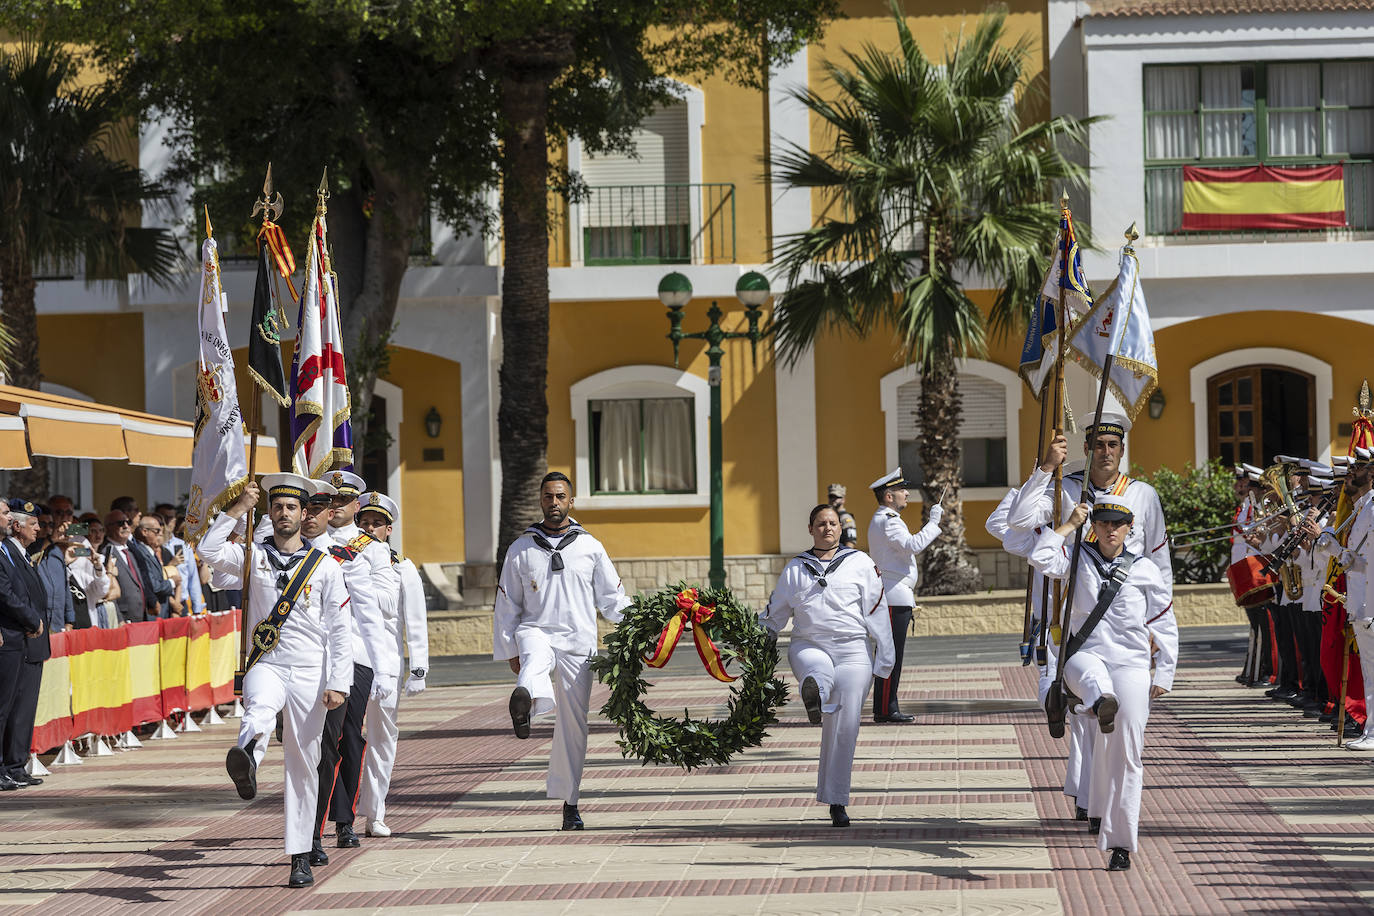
x=426, y=101
x=933, y=174
x=65, y=199
x=1193, y=499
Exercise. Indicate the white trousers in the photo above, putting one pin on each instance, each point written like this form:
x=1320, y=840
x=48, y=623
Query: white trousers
x=844, y=675
x=1118, y=773
x=1082, y=727
x=382, y=732
x=297, y=692
x=559, y=681
x=1364, y=639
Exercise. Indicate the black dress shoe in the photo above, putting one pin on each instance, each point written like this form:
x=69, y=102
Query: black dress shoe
x=1080, y=814
x=571, y=819
x=1240, y=679
x=28, y=780
x=520, y=712
x=1299, y=700
x=242, y=770
x=811, y=699
x=1272, y=692
x=1106, y=707
x=345, y=838
x=1327, y=717
x=1283, y=696
x=317, y=855
x=1121, y=860
x=1094, y=825
x=838, y=816
x=901, y=717
x=300, y=870
x=7, y=784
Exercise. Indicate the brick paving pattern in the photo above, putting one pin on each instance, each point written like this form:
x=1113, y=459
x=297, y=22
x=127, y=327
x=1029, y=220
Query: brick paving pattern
x=1247, y=808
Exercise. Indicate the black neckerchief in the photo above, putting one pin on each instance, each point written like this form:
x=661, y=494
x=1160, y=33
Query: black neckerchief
x=282, y=563
x=1104, y=565
x=819, y=572
x=568, y=534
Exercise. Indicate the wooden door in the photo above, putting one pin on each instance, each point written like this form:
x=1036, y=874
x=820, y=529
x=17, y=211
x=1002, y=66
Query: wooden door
x=1234, y=409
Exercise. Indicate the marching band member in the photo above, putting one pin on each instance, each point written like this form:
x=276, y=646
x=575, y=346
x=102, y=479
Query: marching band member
x=367, y=572
x=301, y=664
x=835, y=598
x=894, y=549
x=555, y=579
x=1247, y=490
x=1120, y=607
x=1353, y=558
x=404, y=611
x=1313, y=579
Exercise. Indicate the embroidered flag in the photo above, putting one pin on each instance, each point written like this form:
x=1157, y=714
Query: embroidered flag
x=219, y=465
x=321, y=435
x=1119, y=324
x=1263, y=197
x=1041, y=348
x=264, y=337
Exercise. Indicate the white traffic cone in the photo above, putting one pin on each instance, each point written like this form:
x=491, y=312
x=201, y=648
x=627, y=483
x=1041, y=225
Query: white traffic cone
x=35, y=767
x=67, y=757
x=187, y=724
x=164, y=731
x=129, y=741
x=211, y=717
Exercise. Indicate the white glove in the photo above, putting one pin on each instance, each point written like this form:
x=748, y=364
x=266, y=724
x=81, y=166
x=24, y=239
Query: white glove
x=383, y=686
x=414, y=685
x=937, y=512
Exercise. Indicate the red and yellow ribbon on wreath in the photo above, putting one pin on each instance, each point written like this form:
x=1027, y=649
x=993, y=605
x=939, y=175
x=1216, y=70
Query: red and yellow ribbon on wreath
x=690, y=608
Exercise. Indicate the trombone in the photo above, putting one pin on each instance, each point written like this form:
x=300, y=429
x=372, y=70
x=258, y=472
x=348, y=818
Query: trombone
x=1183, y=542
x=1278, y=504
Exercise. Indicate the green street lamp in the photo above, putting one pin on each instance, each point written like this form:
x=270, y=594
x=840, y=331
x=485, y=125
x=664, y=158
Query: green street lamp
x=675, y=291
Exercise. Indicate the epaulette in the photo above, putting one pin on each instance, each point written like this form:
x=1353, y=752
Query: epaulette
x=395, y=557
x=343, y=552
x=890, y=513
x=361, y=541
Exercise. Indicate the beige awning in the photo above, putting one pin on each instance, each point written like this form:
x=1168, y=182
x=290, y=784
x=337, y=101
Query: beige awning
x=61, y=427
x=67, y=432
x=14, y=450
x=160, y=444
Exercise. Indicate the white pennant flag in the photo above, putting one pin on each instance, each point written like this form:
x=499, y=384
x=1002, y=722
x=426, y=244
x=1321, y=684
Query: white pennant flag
x=1119, y=324
x=219, y=462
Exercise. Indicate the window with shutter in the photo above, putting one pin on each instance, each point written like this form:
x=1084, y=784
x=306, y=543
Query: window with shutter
x=982, y=431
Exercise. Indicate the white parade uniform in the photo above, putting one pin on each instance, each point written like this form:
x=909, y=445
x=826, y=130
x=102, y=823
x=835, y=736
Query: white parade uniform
x=1115, y=659
x=894, y=548
x=315, y=654
x=1240, y=548
x=545, y=614
x=1082, y=723
x=842, y=638
x=404, y=610
x=1355, y=558
x=369, y=575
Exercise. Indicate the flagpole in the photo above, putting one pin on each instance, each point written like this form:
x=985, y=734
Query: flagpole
x=1087, y=491
x=1030, y=577
x=1041, y=652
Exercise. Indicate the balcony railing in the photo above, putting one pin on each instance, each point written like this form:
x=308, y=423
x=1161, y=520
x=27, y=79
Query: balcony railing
x=644, y=224
x=1164, y=209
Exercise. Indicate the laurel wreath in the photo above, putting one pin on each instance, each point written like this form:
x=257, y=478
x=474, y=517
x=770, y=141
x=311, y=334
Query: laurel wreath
x=687, y=742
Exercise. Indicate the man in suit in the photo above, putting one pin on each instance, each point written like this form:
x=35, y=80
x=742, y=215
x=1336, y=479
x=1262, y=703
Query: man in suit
x=146, y=547
x=28, y=589
x=17, y=618
x=135, y=602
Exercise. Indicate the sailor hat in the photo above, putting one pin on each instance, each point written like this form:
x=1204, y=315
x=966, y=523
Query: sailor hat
x=292, y=485
x=1363, y=455
x=1109, y=423
x=888, y=481
x=345, y=482
x=1112, y=512
x=322, y=493
x=1250, y=471
x=380, y=503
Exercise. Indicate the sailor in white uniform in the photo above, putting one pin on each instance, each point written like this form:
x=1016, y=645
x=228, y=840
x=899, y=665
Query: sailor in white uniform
x=308, y=668
x=1357, y=557
x=1121, y=609
x=841, y=638
x=368, y=574
x=404, y=611
x=894, y=548
x=555, y=579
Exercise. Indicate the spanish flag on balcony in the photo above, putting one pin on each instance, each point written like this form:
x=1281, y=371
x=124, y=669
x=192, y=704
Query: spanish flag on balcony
x=1263, y=197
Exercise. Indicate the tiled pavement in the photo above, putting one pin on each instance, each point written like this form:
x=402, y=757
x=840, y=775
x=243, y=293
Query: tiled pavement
x=1247, y=809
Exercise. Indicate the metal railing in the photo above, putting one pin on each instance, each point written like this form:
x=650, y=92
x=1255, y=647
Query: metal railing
x=644, y=224
x=1164, y=209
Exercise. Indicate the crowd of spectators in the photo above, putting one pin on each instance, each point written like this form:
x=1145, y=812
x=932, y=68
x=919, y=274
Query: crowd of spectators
x=126, y=567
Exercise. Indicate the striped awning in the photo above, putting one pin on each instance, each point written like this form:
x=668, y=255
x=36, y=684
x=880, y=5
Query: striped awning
x=38, y=423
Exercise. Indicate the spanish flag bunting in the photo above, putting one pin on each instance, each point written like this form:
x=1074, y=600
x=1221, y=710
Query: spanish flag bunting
x=1263, y=197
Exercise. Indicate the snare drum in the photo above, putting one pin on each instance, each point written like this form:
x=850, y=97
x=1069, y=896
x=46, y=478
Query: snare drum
x=1251, y=582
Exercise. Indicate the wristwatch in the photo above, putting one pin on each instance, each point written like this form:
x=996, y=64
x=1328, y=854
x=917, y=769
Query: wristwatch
x=418, y=673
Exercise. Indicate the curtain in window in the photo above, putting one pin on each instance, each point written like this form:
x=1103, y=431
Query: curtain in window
x=669, y=456
x=1349, y=133
x=1172, y=136
x=618, y=447
x=1294, y=133
x=1227, y=134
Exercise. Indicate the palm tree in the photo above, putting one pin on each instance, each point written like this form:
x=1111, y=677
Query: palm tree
x=934, y=175
x=63, y=197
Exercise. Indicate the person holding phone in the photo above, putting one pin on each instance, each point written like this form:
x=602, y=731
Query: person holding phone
x=88, y=575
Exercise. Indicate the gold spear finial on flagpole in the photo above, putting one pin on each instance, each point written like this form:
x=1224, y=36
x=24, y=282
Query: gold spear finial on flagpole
x=269, y=205
x=1063, y=199
x=209, y=229
x=1131, y=233
x=322, y=195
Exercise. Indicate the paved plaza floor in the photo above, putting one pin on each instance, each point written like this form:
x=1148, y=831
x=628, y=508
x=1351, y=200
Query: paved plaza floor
x=1247, y=808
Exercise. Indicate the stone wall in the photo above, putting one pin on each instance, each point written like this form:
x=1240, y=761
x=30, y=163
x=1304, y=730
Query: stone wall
x=468, y=631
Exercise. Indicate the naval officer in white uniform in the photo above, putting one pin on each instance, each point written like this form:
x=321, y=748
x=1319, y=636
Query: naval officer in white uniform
x=404, y=611
x=894, y=548
x=555, y=579
x=310, y=667
x=841, y=638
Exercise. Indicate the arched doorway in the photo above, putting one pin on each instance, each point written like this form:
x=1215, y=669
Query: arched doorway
x=1257, y=412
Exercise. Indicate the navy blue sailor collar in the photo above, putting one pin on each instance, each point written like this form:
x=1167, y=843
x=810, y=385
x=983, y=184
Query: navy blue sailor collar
x=819, y=568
